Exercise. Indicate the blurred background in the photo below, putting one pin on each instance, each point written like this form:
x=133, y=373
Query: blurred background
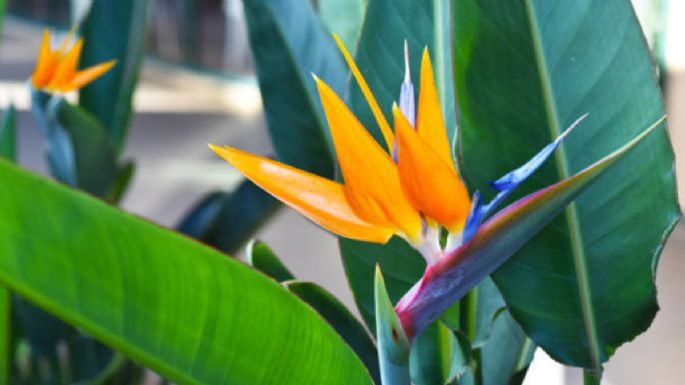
x=198, y=87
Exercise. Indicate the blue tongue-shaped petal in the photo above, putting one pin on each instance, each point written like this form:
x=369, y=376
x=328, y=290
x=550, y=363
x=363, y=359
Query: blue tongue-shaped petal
x=509, y=182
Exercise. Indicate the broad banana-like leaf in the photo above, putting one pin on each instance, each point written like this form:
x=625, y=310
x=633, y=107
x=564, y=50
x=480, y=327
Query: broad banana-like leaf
x=341, y=320
x=344, y=18
x=114, y=30
x=289, y=44
x=524, y=70
x=178, y=307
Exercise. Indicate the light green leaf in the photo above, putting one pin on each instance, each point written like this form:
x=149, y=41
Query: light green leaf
x=178, y=307
x=393, y=345
x=337, y=315
x=523, y=71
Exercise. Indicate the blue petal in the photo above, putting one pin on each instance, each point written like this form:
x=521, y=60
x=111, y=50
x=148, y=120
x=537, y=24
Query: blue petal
x=506, y=184
x=514, y=178
x=475, y=217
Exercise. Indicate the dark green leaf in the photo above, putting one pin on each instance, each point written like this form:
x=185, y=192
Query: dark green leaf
x=341, y=320
x=241, y=215
x=524, y=70
x=93, y=156
x=123, y=178
x=202, y=215
x=431, y=359
x=8, y=136
x=401, y=265
x=262, y=258
x=114, y=30
x=181, y=308
x=506, y=353
x=288, y=45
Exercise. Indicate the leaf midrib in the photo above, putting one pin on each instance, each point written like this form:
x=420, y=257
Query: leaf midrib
x=572, y=219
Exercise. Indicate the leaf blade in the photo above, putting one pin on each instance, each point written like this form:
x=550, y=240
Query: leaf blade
x=178, y=276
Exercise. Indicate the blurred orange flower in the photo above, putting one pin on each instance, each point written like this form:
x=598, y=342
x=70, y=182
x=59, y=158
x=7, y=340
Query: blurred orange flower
x=57, y=70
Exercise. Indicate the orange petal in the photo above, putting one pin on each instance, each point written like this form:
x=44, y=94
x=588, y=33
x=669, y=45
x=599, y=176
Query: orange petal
x=430, y=184
x=319, y=199
x=372, y=183
x=377, y=113
x=83, y=77
x=429, y=122
x=45, y=64
x=67, y=67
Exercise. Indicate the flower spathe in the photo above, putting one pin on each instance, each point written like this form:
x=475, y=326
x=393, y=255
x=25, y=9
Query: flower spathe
x=57, y=69
x=410, y=198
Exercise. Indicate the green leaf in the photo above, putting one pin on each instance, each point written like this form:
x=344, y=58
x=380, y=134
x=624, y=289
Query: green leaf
x=242, y=213
x=178, y=307
x=523, y=71
x=114, y=30
x=122, y=179
x=341, y=320
x=431, y=358
x=401, y=265
x=393, y=345
x=94, y=158
x=261, y=257
x=506, y=353
x=200, y=217
x=289, y=44
x=8, y=140
x=344, y=18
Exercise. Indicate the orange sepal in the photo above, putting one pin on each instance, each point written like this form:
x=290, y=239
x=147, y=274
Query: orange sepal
x=430, y=184
x=372, y=183
x=46, y=63
x=85, y=76
x=429, y=121
x=368, y=95
x=67, y=67
x=319, y=199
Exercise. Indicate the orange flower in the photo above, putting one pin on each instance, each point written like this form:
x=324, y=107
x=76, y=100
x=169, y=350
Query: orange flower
x=56, y=70
x=380, y=197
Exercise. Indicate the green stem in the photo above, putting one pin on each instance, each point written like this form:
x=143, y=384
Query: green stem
x=469, y=326
x=592, y=377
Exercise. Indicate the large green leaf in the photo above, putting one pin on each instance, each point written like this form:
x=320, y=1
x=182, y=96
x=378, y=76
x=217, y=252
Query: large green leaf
x=114, y=30
x=181, y=308
x=523, y=71
x=344, y=322
x=344, y=18
x=289, y=44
